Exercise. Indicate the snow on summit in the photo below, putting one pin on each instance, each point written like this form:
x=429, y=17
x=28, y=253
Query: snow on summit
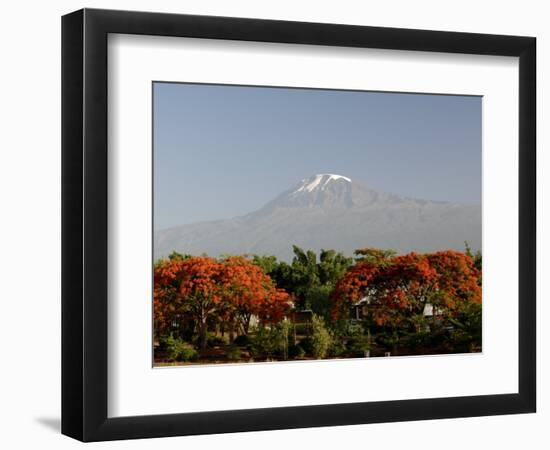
x=319, y=181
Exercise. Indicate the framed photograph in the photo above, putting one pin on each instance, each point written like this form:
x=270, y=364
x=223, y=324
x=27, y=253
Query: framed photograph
x=272, y=224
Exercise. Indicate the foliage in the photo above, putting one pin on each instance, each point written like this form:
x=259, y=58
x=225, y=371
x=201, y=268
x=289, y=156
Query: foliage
x=373, y=255
x=309, y=279
x=358, y=345
x=268, y=264
x=233, y=352
x=318, y=299
x=205, y=290
x=198, y=299
x=176, y=255
x=476, y=258
x=332, y=265
x=349, y=339
x=401, y=286
x=467, y=328
x=250, y=291
x=269, y=341
x=321, y=339
x=389, y=340
x=457, y=279
x=178, y=350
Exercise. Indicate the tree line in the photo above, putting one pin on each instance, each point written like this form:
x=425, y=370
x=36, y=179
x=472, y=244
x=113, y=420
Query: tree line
x=245, y=307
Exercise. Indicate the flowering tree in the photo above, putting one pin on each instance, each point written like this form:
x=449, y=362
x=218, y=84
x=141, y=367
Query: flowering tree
x=189, y=288
x=397, y=288
x=249, y=291
x=166, y=305
x=205, y=290
x=457, y=279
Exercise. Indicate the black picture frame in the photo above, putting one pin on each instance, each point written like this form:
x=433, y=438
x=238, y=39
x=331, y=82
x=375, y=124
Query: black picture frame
x=84, y=224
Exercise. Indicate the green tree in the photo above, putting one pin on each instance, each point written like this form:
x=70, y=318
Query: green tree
x=375, y=256
x=267, y=263
x=305, y=274
x=313, y=280
x=321, y=339
x=467, y=328
x=177, y=255
x=309, y=279
x=332, y=265
x=476, y=256
x=317, y=298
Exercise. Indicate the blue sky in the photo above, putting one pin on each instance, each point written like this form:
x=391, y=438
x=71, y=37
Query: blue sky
x=224, y=151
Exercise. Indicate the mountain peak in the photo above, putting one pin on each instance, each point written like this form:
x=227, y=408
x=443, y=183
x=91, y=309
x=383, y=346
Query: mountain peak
x=319, y=182
x=329, y=211
x=322, y=190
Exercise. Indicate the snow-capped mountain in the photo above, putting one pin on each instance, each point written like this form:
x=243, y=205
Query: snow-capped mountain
x=318, y=190
x=332, y=212
x=320, y=182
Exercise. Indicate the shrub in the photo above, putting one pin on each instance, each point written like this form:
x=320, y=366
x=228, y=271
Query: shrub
x=349, y=338
x=320, y=337
x=337, y=348
x=358, y=345
x=269, y=341
x=389, y=340
x=178, y=350
x=466, y=334
x=233, y=352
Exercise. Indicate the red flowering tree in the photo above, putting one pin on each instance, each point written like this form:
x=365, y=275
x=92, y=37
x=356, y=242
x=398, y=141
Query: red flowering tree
x=397, y=288
x=205, y=290
x=167, y=307
x=189, y=289
x=249, y=291
x=393, y=288
x=457, y=279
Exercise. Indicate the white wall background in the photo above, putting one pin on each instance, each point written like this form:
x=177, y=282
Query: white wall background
x=30, y=225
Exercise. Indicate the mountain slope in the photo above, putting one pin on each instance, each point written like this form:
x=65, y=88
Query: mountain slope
x=331, y=211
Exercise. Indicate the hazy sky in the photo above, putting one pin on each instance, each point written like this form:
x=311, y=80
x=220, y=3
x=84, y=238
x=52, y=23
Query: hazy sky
x=224, y=151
